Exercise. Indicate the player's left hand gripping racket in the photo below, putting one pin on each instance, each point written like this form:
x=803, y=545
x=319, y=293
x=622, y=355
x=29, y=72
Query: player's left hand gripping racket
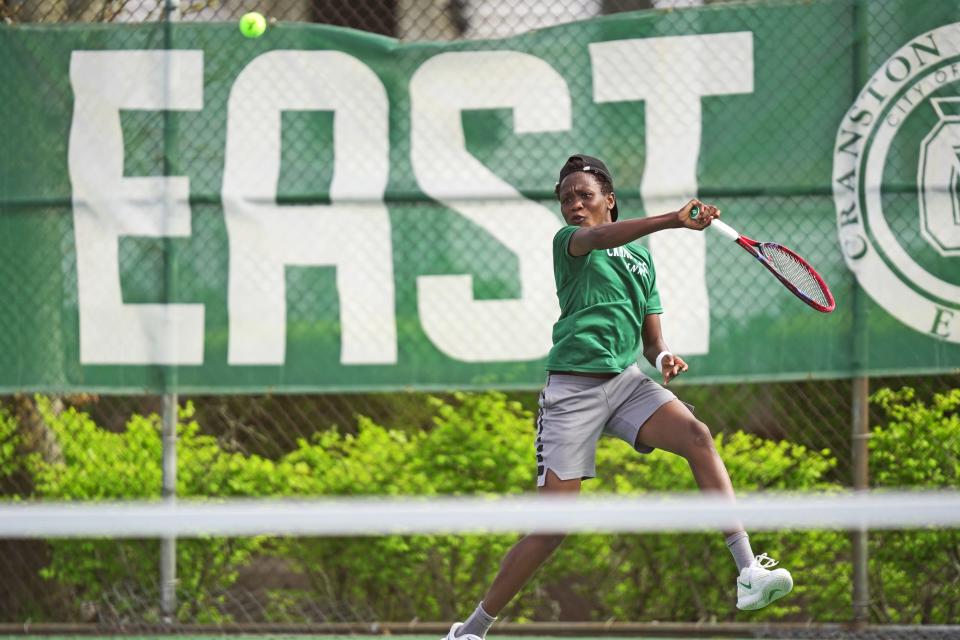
x=793, y=271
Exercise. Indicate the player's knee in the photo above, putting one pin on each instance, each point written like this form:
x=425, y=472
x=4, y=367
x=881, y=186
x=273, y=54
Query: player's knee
x=699, y=438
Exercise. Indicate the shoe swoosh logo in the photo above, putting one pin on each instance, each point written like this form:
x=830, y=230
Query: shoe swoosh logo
x=745, y=585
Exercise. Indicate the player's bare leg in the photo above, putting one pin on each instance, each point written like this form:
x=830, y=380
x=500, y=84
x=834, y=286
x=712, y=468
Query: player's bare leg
x=516, y=569
x=525, y=557
x=673, y=428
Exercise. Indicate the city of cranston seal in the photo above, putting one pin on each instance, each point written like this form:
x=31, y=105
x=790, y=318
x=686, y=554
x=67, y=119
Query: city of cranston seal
x=896, y=184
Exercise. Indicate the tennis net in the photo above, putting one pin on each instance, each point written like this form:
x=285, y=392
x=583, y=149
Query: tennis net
x=640, y=565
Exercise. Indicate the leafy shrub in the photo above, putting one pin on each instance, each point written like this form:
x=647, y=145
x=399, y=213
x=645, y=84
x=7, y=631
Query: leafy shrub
x=918, y=447
x=481, y=444
x=118, y=577
x=473, y=448
x=10, y=462
x=692, y=576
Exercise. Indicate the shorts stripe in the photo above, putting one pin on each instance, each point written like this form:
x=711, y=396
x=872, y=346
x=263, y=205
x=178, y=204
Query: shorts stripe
x=540, y=467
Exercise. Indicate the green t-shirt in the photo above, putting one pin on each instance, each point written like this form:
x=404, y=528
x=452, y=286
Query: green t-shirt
x=604, y=297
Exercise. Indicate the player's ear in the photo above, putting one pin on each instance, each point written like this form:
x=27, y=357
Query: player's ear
x=611, y=201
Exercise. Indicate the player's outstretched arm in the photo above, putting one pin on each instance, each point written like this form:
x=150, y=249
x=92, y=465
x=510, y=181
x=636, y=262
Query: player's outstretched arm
x=617, y=234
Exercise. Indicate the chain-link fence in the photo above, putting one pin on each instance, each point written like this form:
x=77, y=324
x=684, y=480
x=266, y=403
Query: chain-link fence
x=114, y=583
x=405, y=19
x=290, y=385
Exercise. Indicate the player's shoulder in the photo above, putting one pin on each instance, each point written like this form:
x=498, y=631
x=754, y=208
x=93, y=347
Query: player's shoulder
x=562, y=237
x=565, y=231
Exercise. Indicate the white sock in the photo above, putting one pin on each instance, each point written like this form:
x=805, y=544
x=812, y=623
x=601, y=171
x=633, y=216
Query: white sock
x=477, y=624
x=739, y=545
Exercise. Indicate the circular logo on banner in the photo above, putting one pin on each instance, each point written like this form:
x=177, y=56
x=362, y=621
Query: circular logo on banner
x=896, y=184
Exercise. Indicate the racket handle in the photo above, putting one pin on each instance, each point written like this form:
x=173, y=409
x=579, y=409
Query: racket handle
x=725, y=229
x=722, y=227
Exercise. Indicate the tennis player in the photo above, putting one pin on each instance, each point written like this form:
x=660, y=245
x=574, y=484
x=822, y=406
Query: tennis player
x=610, y=313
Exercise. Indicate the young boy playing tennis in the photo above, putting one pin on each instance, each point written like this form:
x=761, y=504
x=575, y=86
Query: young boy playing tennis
x=609, y=312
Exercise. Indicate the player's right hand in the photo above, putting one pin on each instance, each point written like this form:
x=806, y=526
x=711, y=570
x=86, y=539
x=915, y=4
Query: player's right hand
x=671, y=367
x=706, y=214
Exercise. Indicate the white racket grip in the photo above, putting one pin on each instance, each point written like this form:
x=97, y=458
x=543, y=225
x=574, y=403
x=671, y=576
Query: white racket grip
x=725, y=229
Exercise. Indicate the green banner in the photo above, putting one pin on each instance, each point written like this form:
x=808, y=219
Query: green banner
x=320, y=209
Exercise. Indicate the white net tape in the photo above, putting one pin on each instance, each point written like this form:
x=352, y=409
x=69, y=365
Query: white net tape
x=384, y=516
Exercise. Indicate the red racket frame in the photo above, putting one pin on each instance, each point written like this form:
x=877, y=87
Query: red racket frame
x=755, y=249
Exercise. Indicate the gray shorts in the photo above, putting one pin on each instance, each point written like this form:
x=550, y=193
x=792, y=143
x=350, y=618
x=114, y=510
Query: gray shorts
x=576, y=410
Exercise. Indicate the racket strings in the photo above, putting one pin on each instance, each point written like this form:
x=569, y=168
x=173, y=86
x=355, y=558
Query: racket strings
x=796, y=272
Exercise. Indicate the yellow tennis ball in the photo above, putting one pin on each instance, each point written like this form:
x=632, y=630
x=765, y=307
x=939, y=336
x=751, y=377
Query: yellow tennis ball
x=253, y=24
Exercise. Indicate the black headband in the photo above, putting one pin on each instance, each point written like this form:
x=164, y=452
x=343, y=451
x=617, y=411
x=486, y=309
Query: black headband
x=591, y=165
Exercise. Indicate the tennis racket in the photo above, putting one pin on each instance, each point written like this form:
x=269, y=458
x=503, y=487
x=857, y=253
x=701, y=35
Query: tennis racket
x=790, y=269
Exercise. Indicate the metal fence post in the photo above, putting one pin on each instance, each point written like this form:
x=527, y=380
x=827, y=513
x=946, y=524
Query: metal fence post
x=860, y=391
x=168, y=545
x=860, y=435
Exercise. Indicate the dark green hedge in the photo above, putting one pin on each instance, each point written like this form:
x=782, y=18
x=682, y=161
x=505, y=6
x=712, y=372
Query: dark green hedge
x=482, y=443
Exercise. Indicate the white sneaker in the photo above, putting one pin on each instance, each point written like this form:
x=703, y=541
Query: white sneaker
x=452, y=635
x=758, y=586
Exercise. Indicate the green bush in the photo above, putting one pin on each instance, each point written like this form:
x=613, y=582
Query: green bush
x=481, y=444
x=10, y=462
x=918, y=447
x=473, y=448
x=692, y=576
x=119, y=577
